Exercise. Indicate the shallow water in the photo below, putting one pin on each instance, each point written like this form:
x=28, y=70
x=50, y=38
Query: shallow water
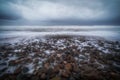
x=107, y=32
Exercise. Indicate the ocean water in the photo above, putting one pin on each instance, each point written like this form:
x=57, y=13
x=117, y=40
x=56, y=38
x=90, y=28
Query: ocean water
x=107, y=32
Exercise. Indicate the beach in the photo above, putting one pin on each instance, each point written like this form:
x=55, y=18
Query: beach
x=63, y=53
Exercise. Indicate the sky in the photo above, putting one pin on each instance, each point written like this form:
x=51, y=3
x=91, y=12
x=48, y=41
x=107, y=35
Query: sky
x=59, y=12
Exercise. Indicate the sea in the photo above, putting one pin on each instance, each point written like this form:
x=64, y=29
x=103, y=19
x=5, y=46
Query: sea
x=107, y=32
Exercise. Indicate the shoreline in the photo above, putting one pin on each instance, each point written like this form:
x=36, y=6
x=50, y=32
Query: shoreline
x=14, y=37
x=61, y=57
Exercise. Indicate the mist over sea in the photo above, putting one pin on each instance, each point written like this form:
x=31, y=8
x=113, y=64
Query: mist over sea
x=107, y=32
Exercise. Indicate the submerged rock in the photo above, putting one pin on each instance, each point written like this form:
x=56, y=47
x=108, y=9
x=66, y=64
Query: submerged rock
x=3, y=67
x=54, y=58
x=116, y=66
x=25, y=70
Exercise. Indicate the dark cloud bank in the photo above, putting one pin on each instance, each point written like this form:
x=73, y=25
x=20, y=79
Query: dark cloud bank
x=59, y=12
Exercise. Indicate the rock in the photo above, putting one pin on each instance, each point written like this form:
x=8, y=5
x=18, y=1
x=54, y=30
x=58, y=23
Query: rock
x=35, y=78
x=68, y=72
x=12, y=77
x=28, y=60
x=20, y=77
x=49, y=73
x=23, y=77
x=43, y=76
x=77, y=60
x=1, y=54
x=72, y=78
x=56, y=69
x=56, y=78
x=36, y=61
x=18, y=70
x=65, y=74
x=116, y=66
x=51, y=59
x=114, y=75
x=18, y=61
x=92, y=60
x=59, y=55
x=75, y=68
x=25, y=70
x=82, y=57
x=68, y=66
x=12, y=63
x=64, y=62
x=61, y=66
x=3, y=64
x=93, y=75
x=83, y=62
x=38, y=72
x=2, y=69
x=67, y=52
x=47, y=65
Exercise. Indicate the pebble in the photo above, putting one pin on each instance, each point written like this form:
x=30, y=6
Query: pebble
x=56, y=78
x=76, y=61
x=25, y=70
x=43, y=76
x=68, y=66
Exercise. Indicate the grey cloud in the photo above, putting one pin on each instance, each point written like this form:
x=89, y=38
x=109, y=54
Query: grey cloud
x=7, y=11
x=61, y=11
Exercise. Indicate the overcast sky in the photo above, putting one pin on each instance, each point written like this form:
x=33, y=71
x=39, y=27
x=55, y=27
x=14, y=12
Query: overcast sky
x=59, y=12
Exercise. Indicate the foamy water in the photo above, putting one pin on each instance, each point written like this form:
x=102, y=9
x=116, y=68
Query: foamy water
x=107, y=32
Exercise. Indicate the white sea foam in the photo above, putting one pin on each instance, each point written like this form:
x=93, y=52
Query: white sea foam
x=28, y=32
